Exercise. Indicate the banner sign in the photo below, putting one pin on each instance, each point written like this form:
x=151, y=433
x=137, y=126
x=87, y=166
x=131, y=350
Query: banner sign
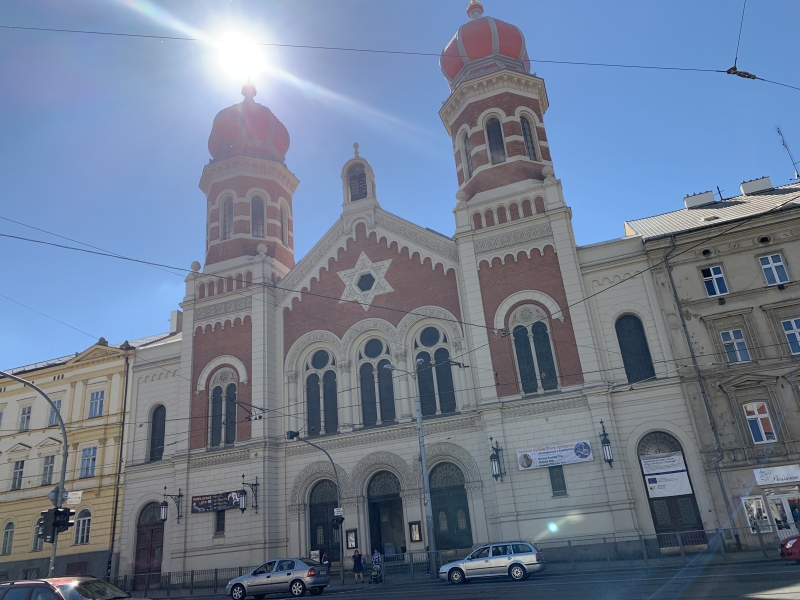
x=665, y=475
x=777, y=475
x=215, y=502
x=554, y=455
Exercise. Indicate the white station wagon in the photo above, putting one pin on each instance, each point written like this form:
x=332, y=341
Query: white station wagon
x=517, y=560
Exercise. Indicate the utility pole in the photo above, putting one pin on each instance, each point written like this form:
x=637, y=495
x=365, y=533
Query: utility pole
x=64, y=454
x=426, y=484
x=292, y=435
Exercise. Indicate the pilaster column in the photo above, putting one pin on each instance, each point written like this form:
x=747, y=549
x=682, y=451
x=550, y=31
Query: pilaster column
x=347, y=412
x=293, y=405
x=405, y=391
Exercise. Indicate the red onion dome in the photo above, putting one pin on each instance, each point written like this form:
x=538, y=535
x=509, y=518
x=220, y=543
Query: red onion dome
x=248, y=129
x=482, y=45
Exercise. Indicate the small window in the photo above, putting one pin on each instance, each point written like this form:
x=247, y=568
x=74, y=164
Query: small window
x=735, y=347
x=521, y=549
x=219, y=522
x=53, y=420
x=83, y=525
x=227, y=219
x=494, y=132
x=8, y=540
x=285, y=565
x=442, y=521
x=47, y=470
x=16, y=474
x=88, y=461
x=759, y=422
x=96, y=404
x=557, y=481
x=774, y=269
x=25, y=419
x=714, y=281
x=461, y=517
x=792, y=330
x=468, y=156
x=527, y=135
x=257, y=211
x=357, y=178
x=157, y=427
x=502, y=550
x=283, y=227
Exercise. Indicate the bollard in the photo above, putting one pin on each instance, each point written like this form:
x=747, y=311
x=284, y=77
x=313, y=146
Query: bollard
x=169, y=583
x=644, y=549
x=215, y=580
x=411, y=554
x=191, y=583
x=680, y=543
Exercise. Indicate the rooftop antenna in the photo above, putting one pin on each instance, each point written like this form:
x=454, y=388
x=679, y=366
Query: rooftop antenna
x=789, y=152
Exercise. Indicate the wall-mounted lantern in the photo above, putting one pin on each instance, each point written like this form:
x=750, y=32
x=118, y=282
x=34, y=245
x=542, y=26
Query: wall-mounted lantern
x=608, y=456
x=496, y=460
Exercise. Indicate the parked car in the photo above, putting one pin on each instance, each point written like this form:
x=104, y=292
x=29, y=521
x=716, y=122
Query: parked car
x=517, y=560
x=61, y=588
x=294, y=575
x=790, y=548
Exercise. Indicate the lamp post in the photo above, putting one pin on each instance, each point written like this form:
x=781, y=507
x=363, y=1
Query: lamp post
x=294, y=435
x=496, y=460
x=608, y=456
x=64, y=453
x=426, y=484
x=253, y=488
x=164, y=506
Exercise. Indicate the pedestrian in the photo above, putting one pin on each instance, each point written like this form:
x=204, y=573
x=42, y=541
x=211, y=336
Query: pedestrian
x=358, y=566
x=326, y=561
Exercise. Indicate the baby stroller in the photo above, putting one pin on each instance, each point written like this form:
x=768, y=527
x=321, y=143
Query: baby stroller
x=377, y=574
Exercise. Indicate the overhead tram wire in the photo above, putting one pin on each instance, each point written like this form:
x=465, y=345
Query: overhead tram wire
x=732, y=71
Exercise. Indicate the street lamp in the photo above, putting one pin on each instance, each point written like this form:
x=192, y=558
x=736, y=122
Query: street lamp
x=253, y=488
x=606, y=443
x=426, y=484
x=496, y=460
x=164, y=506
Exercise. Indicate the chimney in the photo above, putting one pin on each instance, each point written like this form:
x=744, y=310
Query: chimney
x=175, y=321
x=698, y=199
x=754, y=186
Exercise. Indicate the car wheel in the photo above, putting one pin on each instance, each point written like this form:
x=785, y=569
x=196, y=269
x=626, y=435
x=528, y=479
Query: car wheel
x=315, y=591
x=298, y=588
x=238, y=592
x=517, y=572
x=456, y=576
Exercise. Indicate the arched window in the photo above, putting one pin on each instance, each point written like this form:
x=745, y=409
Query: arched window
x=514, y=211
x=357, y=178
x=377, y=386
x=210, y=288
x=227, y=219
x=501, y=215
x=442, y=521
x=223, y=406
x=489, y=216
x=283, y=227
x=526, y=208
x=322, y=405
x=468, y=156
x=82, y=526
x=527, y=135
x=157, y=426
x=477, y=223
x=38, y=543
x=202, y=290
x=494, y=133
x=534, y=351
x=8, y=538
x=435, y=381
x=239, y=281
x=634, y=349
x=257, y=216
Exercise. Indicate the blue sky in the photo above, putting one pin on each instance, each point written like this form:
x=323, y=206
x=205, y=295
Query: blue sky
x=105, y=137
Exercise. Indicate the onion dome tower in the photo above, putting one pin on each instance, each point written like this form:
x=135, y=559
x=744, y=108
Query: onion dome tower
x=248, y=188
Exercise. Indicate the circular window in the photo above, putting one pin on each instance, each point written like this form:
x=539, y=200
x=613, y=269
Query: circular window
x=706, y=252
x=373, y=348
x=320, y=359
x=764, y=239
x=429, y=336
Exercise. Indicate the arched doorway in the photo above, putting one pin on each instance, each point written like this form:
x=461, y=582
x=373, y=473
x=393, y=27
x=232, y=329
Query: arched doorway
x=149, y=540
x=673, y=506
x=324, y=537
x=386, y=529
x=450, y=507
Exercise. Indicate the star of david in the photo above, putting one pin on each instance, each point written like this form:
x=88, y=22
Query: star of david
x=365, y=281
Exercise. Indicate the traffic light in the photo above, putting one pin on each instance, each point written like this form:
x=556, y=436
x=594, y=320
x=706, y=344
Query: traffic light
x=61, y=521
x=46, y=529
x=336, y=522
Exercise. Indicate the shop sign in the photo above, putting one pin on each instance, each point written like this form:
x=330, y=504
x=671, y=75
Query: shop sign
x=777, y=475
x=554, y=455
x=665, y=475
x=215, y=502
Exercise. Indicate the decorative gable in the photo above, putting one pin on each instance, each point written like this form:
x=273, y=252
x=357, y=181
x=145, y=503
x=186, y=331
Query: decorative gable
x=19, y=448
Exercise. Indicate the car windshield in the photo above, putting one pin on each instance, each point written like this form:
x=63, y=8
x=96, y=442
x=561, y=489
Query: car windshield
x=93, y=589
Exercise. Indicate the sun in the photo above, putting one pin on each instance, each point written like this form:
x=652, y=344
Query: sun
x=239, y=57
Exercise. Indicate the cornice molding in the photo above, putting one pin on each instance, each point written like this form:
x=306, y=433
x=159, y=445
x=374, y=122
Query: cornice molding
x=241, y=165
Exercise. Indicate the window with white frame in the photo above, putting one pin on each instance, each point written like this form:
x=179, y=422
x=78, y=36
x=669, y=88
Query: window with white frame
x=468, y=157
x=88, y=461
x=376, y=383
x=227, y=218
x=533, y=349
x=494, y=136
x=47, y=469
x=774, y=269
x=735, y=346
x=528, y=137
x=53, y=420
x=714, y=280
x=757, y=415
x=38, y=543
x=25, y=418
x=96, y=403
x=322, y=404
x=434, y=372
x=756, y=514
x=82, y=526
x=792, y=330
x=8, y=538
x=16, y=474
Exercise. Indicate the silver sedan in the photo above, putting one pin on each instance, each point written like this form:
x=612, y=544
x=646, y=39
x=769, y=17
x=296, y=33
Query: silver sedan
x=517, y=560
x=294, y=575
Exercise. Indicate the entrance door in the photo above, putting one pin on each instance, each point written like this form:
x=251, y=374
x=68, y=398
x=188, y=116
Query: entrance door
x=673, y=506
x=450, y=507
x=386, y=529
x=785, y=512
x=149, y=540
x=324, y=537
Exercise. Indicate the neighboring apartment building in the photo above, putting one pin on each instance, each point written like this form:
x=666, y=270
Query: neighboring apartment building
x=735, y=265
x=89, y=389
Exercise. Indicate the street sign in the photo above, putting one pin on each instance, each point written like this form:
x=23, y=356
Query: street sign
x=53, y=496
x=338, y=512
x=74, y=498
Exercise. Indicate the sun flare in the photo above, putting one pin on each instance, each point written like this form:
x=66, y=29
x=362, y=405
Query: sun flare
x=239, y=57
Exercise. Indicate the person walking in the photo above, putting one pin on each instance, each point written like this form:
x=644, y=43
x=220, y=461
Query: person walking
x=358, y=566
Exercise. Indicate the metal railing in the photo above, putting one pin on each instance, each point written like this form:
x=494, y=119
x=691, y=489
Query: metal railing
x=560, y=554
